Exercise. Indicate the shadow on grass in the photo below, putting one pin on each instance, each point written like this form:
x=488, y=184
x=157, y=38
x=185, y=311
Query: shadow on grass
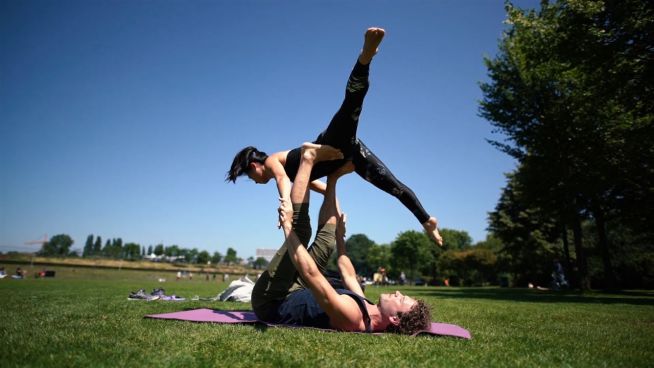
x=534, y=295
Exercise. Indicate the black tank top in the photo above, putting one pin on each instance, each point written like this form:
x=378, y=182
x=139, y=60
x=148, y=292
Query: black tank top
x=301, y=308
x=320, y=170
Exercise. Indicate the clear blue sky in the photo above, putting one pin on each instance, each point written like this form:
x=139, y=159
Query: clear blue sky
x=120, y=118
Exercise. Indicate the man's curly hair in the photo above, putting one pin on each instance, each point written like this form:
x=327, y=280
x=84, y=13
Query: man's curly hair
x=417, y=319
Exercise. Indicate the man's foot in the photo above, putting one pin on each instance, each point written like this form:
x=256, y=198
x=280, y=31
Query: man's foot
x=431, y=227
x=320, y=152
x=372, y=39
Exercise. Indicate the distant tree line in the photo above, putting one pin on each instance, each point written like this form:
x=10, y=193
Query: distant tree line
x=412, y=252
x=59, y=246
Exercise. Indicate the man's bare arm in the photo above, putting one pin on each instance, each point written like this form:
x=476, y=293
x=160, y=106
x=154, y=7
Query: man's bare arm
x=342, y=310
x=345, y=266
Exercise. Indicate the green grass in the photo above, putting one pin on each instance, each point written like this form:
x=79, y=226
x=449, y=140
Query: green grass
x=83, y=318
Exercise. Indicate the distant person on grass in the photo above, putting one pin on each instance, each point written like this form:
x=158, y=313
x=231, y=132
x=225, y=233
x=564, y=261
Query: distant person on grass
x=340, y=133
x=293, y=289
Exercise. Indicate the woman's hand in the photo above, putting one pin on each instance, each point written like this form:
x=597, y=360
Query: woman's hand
x=285, y=214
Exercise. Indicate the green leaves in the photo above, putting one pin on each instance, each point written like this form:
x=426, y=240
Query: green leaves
x=568, y=90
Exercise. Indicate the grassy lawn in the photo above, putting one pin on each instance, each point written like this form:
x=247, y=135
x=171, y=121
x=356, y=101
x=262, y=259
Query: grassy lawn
x=83, y=318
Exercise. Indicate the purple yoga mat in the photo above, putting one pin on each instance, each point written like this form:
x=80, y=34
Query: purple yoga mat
x=226, y=316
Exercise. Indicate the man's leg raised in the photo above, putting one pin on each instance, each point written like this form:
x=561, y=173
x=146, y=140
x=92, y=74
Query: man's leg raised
x=277, y=281
x=325, y=242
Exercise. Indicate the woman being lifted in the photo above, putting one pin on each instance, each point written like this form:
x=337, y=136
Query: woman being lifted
x=341, y=133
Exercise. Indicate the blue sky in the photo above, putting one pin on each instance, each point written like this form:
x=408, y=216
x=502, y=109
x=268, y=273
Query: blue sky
x=120, y=118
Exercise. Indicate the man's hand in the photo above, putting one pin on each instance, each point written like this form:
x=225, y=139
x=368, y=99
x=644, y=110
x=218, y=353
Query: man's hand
x=340, y=226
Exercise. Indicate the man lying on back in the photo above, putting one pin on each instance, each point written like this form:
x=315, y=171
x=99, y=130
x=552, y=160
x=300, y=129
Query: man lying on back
x=294, y=290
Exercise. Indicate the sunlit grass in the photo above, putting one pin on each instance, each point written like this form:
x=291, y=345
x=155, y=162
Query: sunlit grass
x=83, y=318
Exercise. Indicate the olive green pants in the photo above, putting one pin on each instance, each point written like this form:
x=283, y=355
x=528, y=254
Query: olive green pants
x=280, y=277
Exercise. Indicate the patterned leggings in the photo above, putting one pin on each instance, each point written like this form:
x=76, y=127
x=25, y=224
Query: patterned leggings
x=341, y=133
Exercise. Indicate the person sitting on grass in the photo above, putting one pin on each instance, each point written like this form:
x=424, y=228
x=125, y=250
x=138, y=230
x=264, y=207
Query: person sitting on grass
x=293, y=289
x=341, y=133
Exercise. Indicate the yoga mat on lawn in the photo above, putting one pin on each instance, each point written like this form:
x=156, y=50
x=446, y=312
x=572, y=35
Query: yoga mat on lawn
x=226, y=316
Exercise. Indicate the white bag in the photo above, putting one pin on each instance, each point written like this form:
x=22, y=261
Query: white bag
x=238, y=291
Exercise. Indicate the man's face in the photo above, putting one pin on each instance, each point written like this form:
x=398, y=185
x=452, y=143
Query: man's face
x=392, y=304
x=256, y=173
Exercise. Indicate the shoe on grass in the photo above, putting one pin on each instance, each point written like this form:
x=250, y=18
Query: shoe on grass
x=141, y=295
x=160, y=292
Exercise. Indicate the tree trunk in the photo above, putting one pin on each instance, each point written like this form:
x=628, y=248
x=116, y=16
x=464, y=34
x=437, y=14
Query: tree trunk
x=603, y=244
x=582, y=268
x=566, y=250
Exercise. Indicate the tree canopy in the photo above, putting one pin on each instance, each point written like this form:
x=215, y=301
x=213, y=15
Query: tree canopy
x=571, y=92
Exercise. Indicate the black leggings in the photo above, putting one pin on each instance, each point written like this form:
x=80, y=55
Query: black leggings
x=342, y=129
x=373, y=170
x=342, y=134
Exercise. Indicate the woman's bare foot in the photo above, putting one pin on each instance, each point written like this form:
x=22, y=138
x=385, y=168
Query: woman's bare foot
x=347, y=168
x=320, y=152
x=372, y=39
x=431, y=227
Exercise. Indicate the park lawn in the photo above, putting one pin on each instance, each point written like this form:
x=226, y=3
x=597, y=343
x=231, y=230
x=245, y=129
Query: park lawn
x=82, y=318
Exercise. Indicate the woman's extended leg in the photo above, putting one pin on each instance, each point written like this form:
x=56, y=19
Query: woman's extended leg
x=373, y=170
x=341, y=131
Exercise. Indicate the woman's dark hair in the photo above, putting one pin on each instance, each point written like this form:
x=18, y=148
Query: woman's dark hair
x=242, y=162
x=417, y=319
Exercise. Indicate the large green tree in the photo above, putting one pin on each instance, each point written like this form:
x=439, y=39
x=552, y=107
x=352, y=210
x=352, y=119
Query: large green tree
x=571, y=90
x=526, y=232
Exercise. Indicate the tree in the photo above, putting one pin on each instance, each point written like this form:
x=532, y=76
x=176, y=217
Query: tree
x=456, y=239
x=230, y=257
x=88, y=246
x=191, y=255
x=568, y=90
x=216, y=257
x=523, y=229
x=358, y=247
x=172, y=251
x=106, y=250
x=411, y=250
x=131, y=251
x=158, y=250
x=57, y=246
x=378, y=256
x=472, y=266
x=97, y=246
x=260, y=263
x=203, y=257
